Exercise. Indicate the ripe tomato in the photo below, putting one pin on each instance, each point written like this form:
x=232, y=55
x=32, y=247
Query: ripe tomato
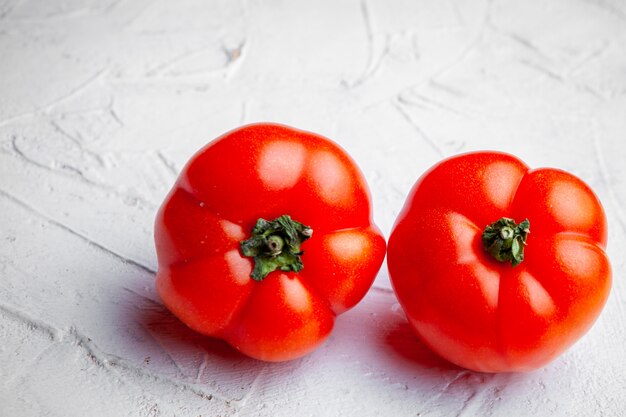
x=485, y=293
x=238, y=259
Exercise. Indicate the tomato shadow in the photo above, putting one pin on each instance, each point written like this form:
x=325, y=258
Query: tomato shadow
x=419, y=368
x=406, y=346
x=402, y=345
x=154, y=340
x=157, y=342
x=168, y=331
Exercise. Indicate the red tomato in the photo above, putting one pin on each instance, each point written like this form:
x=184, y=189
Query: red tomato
x=483, y=313
x=228, y=240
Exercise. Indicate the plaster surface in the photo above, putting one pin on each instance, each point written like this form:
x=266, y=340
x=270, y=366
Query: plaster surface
x=102, y=103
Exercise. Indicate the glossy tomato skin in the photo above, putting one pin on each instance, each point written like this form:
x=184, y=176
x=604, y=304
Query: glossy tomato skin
x=265, y=171
x=475, y=311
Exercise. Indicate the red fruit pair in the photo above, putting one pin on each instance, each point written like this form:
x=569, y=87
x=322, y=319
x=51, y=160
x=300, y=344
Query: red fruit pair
x=267, y=236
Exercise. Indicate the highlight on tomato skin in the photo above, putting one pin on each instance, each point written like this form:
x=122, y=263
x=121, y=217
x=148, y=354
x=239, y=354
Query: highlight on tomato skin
x=267, y=236
x=499, y=267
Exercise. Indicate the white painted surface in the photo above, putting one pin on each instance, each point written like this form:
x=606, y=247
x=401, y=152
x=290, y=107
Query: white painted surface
x=102, y=102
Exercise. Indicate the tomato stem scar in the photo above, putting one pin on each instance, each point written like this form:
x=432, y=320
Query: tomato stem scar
x=505, y=240
x=275, y=245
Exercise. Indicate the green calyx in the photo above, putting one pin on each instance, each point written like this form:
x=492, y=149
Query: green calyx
x=275, y=245
x=505, y=240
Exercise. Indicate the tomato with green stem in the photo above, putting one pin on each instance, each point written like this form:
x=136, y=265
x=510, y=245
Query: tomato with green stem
x=497, y=266
x=265, y=238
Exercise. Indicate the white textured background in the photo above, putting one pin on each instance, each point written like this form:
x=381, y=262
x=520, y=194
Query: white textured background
x=102, y=102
